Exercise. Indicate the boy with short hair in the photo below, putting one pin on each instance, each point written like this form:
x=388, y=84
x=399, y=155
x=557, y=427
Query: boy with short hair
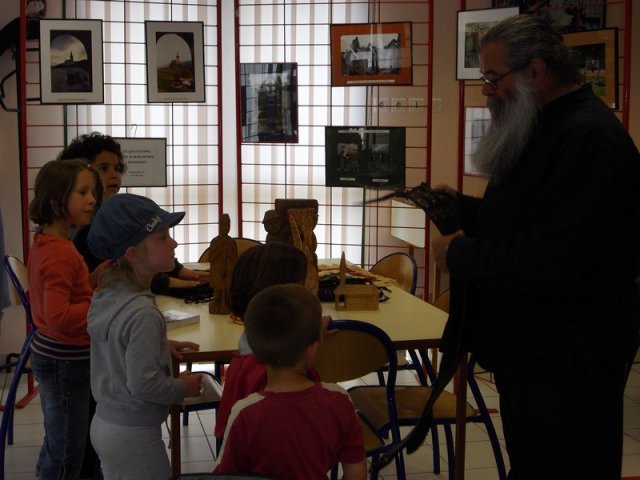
x=294, y=428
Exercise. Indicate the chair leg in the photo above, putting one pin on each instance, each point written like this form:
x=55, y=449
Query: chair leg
x=417, y=364
x=6, y=425
x=488, y=423
x=436, y=449
x=451, y=457
x=400, y=472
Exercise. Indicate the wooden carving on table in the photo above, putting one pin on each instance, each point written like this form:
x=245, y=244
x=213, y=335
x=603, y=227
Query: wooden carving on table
x=271, y=223
x=292, y=221
x=222, y=258
x=302, y=222
x=354, y=297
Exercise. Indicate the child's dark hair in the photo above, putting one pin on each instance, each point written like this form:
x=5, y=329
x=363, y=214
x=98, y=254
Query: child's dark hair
x=54, y=183
x=281, y=322
x=90, y=145
x=260, y=267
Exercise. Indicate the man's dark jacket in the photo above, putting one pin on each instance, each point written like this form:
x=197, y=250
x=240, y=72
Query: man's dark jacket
x=546, y=272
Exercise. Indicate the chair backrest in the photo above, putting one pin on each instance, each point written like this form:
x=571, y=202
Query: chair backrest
x=443, y=300
x=242, y=244
x=354, y=350
x=401, y=267
x=204, y=256
x=19, y=277
x=245, y=243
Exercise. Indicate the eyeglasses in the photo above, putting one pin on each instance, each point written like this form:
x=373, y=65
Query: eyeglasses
x=493, y=82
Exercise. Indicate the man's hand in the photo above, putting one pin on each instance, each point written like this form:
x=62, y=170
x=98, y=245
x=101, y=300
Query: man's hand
x=175, y=347
x=444, y=188
x=439, y=247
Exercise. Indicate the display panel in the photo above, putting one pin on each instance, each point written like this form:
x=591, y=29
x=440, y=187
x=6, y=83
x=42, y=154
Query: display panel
x=365, y=156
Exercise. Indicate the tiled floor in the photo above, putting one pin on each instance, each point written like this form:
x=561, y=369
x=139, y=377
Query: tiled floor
x=198, y=441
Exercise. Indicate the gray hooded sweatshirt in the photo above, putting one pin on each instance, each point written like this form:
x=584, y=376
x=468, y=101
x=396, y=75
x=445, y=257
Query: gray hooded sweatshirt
x=131, y=375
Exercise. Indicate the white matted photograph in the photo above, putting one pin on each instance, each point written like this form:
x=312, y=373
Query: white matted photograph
x=175, y=62
x=71, y=61
x=471, y=26
x=477, y=121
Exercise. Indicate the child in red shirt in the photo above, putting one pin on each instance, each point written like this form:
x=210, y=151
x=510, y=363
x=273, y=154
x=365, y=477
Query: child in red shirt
x=256, y=269
x=293, y=428
x=66, y=195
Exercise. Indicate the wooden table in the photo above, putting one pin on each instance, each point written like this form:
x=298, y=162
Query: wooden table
x=410, y=322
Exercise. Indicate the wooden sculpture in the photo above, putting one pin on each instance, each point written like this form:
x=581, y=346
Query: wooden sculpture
x=302, y=221
x=292, y=221
x=282, y=207
x=271, y=223
x=222, y=258
x=354, y=297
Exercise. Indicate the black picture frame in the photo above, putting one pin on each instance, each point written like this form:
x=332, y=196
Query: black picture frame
x=175, y=62
x=567, y=15
x=471, y=26
x=595, y=52
x=269, y=95
x=365, y=157
x=71, y=66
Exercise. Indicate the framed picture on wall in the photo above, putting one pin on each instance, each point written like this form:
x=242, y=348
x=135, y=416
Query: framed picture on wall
x=269, y=94
x=567, y=15
x=471, y=26
x=371, y=54
x=365, y=156
x=175, y=62
x=71, y=61
x=596, y=53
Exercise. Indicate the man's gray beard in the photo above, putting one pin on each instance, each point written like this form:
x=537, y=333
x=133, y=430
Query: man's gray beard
x=512, y=121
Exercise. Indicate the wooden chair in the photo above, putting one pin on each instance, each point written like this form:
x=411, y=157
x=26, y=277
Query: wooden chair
x=356, y=349
x=403, y=269
x=412, y=400
x=373, y=403
x=208, y=399
x=204, y=256
x=17, y=272
x=241, y=243
x=245, y=244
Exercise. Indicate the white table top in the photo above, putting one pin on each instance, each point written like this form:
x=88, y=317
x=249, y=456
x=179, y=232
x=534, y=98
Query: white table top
x=408, y=320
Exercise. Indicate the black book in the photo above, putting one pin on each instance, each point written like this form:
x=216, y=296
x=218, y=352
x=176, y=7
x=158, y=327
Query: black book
x=438, y=206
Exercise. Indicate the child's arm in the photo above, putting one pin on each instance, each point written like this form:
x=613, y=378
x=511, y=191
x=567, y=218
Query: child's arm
x=64, y=305
x=354, y=471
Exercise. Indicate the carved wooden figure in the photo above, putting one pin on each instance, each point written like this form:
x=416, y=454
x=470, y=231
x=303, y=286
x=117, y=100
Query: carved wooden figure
x=271, y=223
x=222, y=258
x=302, y=221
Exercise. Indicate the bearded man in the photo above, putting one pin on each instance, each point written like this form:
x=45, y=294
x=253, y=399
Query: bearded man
x=543, y=272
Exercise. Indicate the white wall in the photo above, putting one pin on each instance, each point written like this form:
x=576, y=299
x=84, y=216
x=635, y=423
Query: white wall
x=13, y=328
